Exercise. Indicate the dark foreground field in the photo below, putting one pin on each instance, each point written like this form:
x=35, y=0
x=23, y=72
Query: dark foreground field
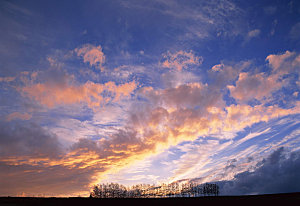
x=289, y=199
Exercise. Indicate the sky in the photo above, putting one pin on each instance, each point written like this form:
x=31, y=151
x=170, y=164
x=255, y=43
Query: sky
x=152, y=92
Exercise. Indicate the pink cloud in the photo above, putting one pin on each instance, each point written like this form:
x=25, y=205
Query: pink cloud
x=181, y=60
x=261, y=85
x=276, y=61
x=7, y=79
x=218, y=67
x=255, y=86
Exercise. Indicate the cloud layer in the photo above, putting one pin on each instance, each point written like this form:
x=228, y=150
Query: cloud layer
x=157, y=119
x=278, y=173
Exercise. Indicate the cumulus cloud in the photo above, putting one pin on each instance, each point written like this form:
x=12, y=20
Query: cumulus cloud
x=63, y=90
x=260, y=86
x=284, y=63
x=277, y=173
x=181, y=60
x=92, y=54
x=255, y=86
x=223, y=74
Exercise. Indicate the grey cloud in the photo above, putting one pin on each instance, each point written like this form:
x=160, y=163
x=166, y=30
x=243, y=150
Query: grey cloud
x=27, y=139
x=231, y=164
x=278, y=173
x=22, y=143
x=50, y=181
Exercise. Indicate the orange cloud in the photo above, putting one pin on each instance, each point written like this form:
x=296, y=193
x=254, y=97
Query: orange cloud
x=90, y=93
x=241, y=116
x=92, y=54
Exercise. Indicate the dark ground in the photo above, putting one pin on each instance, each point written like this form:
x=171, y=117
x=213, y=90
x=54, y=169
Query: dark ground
x=286, y=199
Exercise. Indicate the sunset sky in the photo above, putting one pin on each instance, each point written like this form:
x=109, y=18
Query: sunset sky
x=140, y=91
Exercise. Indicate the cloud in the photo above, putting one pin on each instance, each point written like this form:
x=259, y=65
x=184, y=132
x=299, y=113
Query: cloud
x=241, y=116
x=270, y=10
x=277, y=173
x=211, y=159
x=30, y=155
x=7, y=79
x=253, y=33
x=176, y=78
x=157, y=120
x=198, y=155
x=27, y=139
x=18, y=115
x=295, y=31
x=180, y=60
x=184, y=96
x=260, y=86
x=255, y=86
x=195, y=20
x=63, y=91
x=92, y=54
x=276, y=61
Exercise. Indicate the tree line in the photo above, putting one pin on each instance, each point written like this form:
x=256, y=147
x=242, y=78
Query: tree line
x=189, y=189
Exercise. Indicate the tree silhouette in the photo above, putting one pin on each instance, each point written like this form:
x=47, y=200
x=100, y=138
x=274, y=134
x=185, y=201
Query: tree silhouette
x=188, y=189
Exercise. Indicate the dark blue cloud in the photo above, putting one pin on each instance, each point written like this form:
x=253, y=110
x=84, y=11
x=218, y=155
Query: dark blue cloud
x=278, y=173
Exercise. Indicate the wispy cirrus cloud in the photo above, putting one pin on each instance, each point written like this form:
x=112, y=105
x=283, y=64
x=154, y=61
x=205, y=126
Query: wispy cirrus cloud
x=196, y=19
